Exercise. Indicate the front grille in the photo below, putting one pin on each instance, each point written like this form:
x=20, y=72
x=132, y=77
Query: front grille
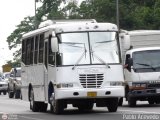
x=153, y=85
x=91, y=80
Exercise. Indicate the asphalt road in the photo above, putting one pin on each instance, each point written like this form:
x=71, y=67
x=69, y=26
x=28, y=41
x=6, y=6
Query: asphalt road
x=16, y=109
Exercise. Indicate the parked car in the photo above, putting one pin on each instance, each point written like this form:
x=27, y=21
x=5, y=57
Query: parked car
x=14, y=83
x=5, y=76
x=3, y=86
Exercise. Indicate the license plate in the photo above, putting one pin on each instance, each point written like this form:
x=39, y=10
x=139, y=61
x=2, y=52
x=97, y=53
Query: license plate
x=157, y=90
x=91, y=94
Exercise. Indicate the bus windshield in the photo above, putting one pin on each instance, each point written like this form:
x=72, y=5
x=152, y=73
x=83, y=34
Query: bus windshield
x=146, y=61
x=88, y=48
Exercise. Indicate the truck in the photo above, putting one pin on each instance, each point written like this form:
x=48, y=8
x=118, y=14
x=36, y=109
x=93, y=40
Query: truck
x=141, y=66
x=74, y=62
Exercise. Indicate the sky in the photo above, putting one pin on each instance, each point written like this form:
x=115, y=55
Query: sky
x=12, y=12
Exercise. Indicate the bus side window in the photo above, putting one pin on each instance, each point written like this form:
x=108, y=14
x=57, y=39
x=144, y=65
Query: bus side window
x=23, y=51
x=32, y=50
x=41, y=48
x=28, y=50
x=36, y=49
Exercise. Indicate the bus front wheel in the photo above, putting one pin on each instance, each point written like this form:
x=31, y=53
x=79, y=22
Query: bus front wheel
x=57, y=106
x=112, y=104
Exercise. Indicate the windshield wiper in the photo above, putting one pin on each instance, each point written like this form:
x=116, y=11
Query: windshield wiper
x=98, y=58
x=72, y=44
x=144, y=64
x=83, y=54
x=106, y=41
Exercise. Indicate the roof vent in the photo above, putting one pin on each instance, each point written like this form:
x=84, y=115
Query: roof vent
x=46, y=23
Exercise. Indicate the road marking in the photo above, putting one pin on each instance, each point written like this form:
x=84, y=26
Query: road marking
x=145, y=112
x=30, y=118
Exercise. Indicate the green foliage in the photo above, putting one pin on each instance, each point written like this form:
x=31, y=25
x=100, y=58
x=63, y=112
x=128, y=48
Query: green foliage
x=25, y=26
x=15, y=63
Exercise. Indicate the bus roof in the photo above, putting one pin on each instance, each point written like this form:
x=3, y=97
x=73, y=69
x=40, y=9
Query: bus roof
x=74, y=27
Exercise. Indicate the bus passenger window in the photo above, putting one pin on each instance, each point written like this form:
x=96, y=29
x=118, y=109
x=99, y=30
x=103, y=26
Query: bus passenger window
x=23, y=51
x=36, y=49
x=32, y=50
x=41, y=47
x=28, y=50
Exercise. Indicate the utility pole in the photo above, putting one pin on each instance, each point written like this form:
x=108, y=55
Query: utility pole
x=35, y=24
x=35, y=7
x=117, y=13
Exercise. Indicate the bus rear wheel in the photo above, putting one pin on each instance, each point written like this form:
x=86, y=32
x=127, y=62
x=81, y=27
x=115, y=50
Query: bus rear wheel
x=43, y=106
x=34, y=106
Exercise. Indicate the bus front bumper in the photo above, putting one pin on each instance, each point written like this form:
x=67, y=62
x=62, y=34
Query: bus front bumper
x=89, y=93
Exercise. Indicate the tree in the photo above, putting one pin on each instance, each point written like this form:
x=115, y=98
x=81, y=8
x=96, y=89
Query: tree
x=101, y=10
x=72, y=10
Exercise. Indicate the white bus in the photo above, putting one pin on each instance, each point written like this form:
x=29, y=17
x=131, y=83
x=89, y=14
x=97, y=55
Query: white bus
x=75, y=62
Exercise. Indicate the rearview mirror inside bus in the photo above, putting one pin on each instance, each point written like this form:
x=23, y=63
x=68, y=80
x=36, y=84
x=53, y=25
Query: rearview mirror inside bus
x=54, y=44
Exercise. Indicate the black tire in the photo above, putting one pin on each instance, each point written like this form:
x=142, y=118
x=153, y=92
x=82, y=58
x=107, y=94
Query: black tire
x=151, y=102
x=4, y=93
x=120, y=103
x=17, y=94
x=0, y=93
x=112, y=104
x=10, y=94
x=58, y=106
x=132, y=102
x=34, y=106
x=43, y=106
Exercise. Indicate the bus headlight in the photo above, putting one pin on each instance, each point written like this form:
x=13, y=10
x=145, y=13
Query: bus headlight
x=116, y=83
x=65, y=85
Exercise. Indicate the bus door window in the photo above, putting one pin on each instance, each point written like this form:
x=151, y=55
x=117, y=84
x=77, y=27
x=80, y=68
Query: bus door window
x=51, y=56
x=46, y=54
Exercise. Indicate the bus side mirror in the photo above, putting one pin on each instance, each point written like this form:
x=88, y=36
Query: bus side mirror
x=54, y=44
x=130, y=62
